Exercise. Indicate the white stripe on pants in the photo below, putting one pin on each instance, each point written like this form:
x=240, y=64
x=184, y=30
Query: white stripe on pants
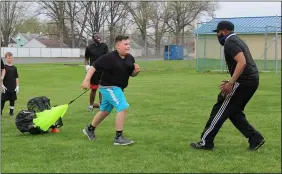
x=219, y=113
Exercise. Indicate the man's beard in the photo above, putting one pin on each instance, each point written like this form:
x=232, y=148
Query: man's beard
x=97, y=41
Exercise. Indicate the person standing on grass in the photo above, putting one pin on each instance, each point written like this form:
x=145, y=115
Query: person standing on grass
x=92, y=53
x=117, y=67
x=10, y=84
x=3, y=71
x=235, y=93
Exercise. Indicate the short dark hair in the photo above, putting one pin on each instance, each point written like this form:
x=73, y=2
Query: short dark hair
x=121, y=38
x=95, y=33
x=224, y=25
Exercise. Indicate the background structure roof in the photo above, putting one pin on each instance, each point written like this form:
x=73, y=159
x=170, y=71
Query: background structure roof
x=245, y=25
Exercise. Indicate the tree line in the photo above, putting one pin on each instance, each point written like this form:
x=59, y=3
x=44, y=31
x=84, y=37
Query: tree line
x=72, y=21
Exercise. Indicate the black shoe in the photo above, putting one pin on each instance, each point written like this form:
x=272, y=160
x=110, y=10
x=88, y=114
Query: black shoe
x=11, y=114
x=256, y=145
x=199, y=145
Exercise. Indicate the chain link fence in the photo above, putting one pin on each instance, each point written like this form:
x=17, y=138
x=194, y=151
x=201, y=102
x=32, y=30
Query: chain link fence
x=153, y=46
x=265, y=49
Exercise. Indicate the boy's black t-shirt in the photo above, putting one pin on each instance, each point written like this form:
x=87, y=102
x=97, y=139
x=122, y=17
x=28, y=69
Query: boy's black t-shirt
x=232, y=47
x=10, y=77
x=116, y=71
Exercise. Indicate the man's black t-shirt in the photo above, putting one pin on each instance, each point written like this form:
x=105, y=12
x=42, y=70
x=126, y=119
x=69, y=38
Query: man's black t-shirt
x=9, y=80
x=95, y=51
x=116, y=70
x=2, y=64
x=234, y=45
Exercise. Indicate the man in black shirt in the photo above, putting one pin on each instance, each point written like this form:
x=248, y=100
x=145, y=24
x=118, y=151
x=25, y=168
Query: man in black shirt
x=236, y=93
x=10, y=84
x=2, y=69
x=92, y=53
x=117, y=67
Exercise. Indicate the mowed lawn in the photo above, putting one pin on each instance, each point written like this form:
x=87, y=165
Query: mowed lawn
x=170, y=104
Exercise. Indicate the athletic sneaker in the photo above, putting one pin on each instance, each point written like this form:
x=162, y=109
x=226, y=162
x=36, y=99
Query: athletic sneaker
x=121, y=141
x=199, y=145
x=89, y=134
x=90, y=108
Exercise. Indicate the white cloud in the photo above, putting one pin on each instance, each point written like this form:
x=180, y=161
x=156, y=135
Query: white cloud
x=246, y=9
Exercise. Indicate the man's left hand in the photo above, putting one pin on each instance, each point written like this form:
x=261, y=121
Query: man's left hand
x=226, y=88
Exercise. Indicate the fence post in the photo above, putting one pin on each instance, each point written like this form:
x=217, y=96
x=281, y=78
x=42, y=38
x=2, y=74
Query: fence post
x=276, y=46
x=221, y=59
x=265, y=48
x=205, y=47
x=197, y=42
x=168, y=50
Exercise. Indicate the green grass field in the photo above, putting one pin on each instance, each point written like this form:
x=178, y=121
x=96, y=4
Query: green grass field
x=170, y=104
x=211, y=64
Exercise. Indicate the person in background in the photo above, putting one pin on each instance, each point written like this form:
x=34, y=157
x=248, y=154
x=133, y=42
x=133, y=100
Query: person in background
x=10, y=84
x=92, y=53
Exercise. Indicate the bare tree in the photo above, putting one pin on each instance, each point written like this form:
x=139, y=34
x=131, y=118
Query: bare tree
x=72, y=9
x=96, y=17
x=123, y=25
x=140, y=12
x=116, y=13
x=182, y=14
x=56, y=11
x=81, y=24
x=158, y=20
x=12, y=14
